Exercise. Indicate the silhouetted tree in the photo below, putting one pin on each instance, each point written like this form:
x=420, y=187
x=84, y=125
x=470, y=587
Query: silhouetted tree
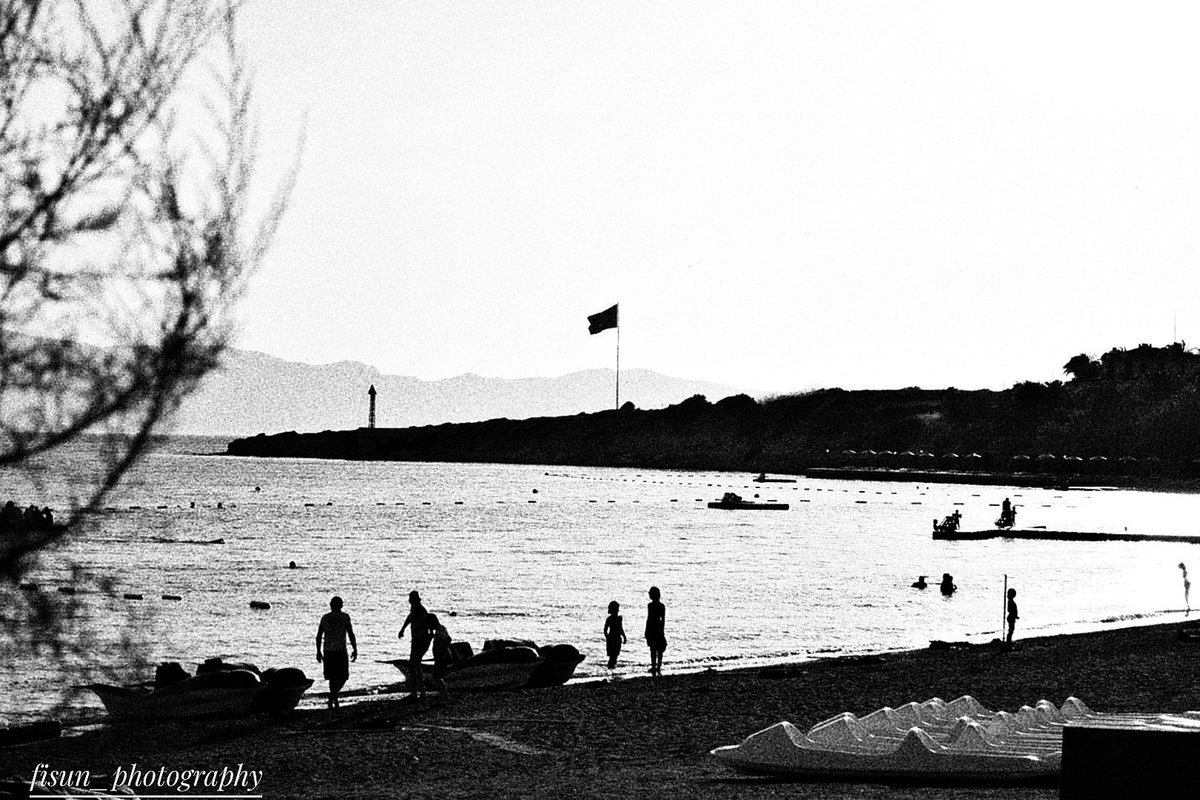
x=123, y=242
x=1082, y=368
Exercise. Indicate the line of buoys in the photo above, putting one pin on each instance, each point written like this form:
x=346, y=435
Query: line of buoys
x=260, y=604
x=132, y=596
x=171, y=597
x=66, y=590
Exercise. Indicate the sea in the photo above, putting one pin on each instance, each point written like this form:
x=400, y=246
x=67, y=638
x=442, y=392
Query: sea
x=538, y=552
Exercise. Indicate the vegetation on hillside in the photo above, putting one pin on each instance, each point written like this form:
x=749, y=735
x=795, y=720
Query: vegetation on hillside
x=1130, y=412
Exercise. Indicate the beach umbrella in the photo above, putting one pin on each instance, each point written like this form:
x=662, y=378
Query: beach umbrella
x=1021, y=457
x=1097, y=458
x=974, y=455
x=1045, y=457
x=950, y=455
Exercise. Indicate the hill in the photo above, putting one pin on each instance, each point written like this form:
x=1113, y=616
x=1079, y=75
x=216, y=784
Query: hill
x=255, y=392
x=1136, y=421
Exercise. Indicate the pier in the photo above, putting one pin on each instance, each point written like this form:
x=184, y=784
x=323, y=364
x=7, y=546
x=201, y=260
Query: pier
x=1063, y=536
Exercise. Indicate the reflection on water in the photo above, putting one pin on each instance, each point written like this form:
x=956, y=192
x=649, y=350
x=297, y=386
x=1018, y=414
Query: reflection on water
x=538, y=552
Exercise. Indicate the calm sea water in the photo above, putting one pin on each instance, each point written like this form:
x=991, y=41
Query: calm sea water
x=538, y=552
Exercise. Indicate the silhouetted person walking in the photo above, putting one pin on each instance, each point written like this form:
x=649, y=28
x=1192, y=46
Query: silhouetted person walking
x=656, y=626
x=332, y=633
x=614, y=633
x=418, y=619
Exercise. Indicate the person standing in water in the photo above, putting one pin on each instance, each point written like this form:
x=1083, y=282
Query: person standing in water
x=614, y=633
x=1012, y=615
x=1187, y=589
x=656, y=626
x=332, y=633
x=418, y=618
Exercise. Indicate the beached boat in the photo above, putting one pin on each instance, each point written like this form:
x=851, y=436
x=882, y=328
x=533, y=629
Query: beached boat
x=492, y=670
x=558, y=665
x=225, y=693
x=734, y=502
x=505, y=664
x=937, y=741
x=959, y=741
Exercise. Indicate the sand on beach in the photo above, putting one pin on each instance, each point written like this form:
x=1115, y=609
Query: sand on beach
x=636, y=737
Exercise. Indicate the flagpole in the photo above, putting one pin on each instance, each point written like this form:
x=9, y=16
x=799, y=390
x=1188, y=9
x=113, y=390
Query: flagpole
x=618, y=366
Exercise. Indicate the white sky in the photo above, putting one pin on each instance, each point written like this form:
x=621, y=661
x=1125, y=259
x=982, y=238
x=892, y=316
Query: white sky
x=780, y=195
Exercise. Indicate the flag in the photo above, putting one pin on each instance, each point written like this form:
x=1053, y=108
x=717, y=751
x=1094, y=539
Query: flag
x=603, y=321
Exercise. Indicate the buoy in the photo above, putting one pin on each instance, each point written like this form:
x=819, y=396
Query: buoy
x=220, y=505
x=260, y=604
x=171, y=597
x=291, y=565
x=535, y=491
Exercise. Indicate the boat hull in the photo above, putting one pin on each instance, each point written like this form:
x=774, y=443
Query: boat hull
x=745, y=506
x=494, y=670
x=228, y=693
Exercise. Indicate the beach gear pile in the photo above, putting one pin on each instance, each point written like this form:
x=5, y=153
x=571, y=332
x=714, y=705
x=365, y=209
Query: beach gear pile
x=958, y=740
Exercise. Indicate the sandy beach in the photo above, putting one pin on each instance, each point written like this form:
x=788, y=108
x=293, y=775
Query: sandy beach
x=635, y=737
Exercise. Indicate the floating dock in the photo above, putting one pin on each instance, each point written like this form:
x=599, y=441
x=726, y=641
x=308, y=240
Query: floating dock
x=1062, y=536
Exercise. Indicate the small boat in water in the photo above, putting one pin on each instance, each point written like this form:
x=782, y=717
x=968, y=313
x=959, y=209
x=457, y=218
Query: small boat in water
x=733, y=501
x=762, y=478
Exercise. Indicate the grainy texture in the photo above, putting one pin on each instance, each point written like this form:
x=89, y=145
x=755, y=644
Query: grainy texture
x=638, y=737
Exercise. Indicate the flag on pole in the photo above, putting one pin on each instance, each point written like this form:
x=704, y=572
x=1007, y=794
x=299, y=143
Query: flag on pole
x=603, y=321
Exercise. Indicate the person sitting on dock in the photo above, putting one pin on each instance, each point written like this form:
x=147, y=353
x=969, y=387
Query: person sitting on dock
x=950, y=523
x=920, y=582
x=1008, y=515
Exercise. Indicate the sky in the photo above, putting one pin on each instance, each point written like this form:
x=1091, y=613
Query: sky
x=780, y=196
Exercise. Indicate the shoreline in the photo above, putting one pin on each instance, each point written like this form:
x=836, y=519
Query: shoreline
x=639, y=736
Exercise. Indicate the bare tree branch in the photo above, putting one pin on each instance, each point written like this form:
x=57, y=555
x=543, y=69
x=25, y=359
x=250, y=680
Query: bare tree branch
x=122, y=245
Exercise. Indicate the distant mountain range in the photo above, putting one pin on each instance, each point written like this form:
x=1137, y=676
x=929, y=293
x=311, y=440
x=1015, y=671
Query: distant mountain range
x=257, y=393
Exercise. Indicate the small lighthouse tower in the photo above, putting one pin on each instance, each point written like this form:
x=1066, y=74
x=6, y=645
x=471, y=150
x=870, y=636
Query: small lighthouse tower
x=371, y=415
